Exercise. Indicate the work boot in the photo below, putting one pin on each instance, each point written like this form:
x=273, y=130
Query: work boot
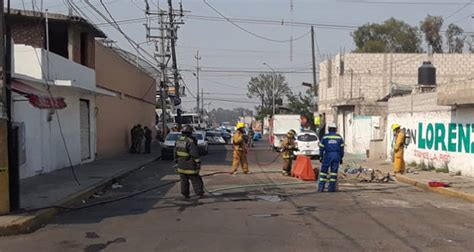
x=232, y=173
x=186, y=197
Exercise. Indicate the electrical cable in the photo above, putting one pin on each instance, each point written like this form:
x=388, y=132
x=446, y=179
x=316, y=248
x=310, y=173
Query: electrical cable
x=458, y=10
x=250, y=32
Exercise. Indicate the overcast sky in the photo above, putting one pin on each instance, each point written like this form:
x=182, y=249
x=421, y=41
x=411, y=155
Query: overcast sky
x=224, y=47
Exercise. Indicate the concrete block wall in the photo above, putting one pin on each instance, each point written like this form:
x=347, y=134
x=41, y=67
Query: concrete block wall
x=371, y=75
x=416, y=103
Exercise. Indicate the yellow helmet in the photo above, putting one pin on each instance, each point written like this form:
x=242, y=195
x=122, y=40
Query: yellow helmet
x=395, y=126
x=240, y=125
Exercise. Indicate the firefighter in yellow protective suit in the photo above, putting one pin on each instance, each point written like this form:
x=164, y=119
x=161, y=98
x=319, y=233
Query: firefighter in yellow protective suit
x=398, y=149
x=288, y=146
x=240, y=150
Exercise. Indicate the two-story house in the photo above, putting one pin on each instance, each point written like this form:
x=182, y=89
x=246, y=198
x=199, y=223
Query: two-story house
x=54, y=90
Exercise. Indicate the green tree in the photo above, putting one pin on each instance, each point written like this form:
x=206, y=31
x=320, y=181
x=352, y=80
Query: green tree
x=431, y=27
x=302, y=105
x=391, y=36
x=455, y=38
x=261, y=87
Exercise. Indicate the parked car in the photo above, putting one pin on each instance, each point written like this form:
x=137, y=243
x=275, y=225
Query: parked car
x=307, y=143
x=215, y=137
x=201, y=142
x=167, y=147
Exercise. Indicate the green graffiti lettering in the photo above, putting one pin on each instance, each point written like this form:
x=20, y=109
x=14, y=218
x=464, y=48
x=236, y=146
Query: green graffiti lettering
x=421, y=140
x=472, y=144
x=464, y=138
x=451, y=137
x=430, y=136
x=440, y=136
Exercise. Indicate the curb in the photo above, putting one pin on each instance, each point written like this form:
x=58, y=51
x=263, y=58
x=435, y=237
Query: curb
x=441, y=190
x=28, y=223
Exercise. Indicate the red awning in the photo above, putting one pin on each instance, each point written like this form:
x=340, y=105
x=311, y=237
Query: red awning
x=37, y=97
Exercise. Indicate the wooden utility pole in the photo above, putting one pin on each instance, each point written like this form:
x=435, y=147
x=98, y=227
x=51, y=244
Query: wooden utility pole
x=315, y=86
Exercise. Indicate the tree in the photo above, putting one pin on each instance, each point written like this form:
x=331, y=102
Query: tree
x=391, y=36
x=261, y=87
x=455, y=38
x=302, y=104
x=431, y=27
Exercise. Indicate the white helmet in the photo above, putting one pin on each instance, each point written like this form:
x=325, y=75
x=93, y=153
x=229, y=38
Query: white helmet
x=332, y=126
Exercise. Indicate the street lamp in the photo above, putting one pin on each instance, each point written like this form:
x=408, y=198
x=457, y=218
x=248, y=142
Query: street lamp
x=273, y=89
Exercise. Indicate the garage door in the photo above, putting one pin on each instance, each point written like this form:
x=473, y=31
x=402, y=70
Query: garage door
x=85, y=130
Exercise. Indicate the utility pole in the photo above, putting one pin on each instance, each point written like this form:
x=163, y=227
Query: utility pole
x=4, y=185
x=315, y=86
x=198, y=58
x=173, y=30
x=9, y=172
x=163, y=84
x=202, y=102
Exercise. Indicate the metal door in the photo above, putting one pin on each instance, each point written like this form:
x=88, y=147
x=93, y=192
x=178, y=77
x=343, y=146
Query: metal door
x=84, y=119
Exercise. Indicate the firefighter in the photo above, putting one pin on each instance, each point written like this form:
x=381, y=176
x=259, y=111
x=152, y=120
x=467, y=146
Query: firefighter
x=398, y=149
x=331, y=154
x=240, y=150
x=288, y=146
x=189, y=164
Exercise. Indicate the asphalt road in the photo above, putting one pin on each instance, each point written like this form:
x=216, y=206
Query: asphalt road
x=263, y=211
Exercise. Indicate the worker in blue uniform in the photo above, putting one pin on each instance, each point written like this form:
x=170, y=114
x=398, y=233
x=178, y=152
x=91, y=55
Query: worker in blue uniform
x=331, y=153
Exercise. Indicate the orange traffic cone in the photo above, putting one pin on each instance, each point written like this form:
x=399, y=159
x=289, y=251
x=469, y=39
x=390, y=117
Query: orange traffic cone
x=303, y=169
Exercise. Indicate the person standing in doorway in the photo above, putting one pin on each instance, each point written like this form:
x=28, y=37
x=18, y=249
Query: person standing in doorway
x=148, y=136
x=133, y=139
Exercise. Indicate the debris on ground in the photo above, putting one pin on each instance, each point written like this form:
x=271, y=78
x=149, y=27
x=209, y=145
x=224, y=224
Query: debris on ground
x=438, y=184
x=116, y=186
x=366, y=175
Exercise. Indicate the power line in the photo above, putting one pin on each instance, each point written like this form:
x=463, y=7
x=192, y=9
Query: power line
x=250, y=32
x=458, y=10
x=400, y=3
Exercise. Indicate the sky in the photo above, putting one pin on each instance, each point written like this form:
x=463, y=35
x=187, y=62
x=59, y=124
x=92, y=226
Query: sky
x=231, y=56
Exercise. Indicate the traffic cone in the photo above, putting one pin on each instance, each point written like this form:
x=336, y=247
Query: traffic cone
x=303, y=169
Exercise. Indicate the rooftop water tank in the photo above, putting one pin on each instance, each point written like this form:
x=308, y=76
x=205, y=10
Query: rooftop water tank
x=427, y=74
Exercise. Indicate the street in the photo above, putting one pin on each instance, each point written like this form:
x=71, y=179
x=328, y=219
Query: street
x=262, y=211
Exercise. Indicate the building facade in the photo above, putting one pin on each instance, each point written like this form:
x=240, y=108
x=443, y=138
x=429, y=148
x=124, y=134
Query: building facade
x=54, y=92
x=354, y=89
x=134, y=84
x=440, y=135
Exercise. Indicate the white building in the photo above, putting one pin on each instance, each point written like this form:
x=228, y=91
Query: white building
x=54, y=109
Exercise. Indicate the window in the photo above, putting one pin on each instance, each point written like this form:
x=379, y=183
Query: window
x=58, y=39
x=172, y=137
x=307, y=138
x=198, y=136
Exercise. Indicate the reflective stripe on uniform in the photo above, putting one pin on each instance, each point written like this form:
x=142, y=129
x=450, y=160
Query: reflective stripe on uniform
x=332, y=180
x=323, y=174
x=342, y=145
x=321, y=145
x=182, y=154
x=323, y=179
x=198, y=160
x=188, y=172
x=333, y=174
x=332, y=137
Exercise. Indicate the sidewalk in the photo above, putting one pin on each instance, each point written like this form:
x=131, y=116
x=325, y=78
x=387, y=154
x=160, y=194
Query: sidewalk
x=459, y=186
x=60, y=189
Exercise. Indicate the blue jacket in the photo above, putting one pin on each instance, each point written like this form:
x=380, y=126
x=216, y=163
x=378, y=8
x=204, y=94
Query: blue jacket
x=331, y=143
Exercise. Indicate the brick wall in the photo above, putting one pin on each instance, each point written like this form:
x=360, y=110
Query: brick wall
x=28, y=32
